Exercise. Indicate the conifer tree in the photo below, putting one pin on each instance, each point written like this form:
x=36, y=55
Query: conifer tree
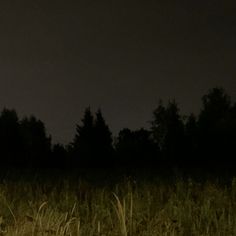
x=83, y=144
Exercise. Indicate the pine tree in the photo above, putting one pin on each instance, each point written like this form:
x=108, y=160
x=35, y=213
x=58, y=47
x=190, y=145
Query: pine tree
x=92, y=145
x=83, y=144
x=103, y=133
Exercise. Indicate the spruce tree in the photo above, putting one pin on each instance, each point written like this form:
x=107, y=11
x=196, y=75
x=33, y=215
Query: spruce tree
x=103, y=140
x=83, y=144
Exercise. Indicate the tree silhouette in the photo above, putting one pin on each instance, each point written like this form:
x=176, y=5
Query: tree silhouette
x=168, y=130
x=125, y=148
x=205, y=141
x=10, y=145
x=214, y=126
x=92, y=145
x=159, y=126
x=136, y=148
x=231, y=131
x=59, y=156
x=36, y=143
x=103, y=140
x=216, y=103
x=83, y=143
x=191, y=140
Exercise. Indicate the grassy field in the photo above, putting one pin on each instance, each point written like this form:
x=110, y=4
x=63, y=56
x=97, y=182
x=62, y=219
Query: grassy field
x=78, y=207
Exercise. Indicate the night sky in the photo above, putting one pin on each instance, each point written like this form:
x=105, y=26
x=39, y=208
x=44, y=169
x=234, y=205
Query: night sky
x=58, y=57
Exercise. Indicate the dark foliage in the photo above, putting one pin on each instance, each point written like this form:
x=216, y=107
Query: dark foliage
x=206, y=141
x=10, y=137
x=191, y=145
x=23, y=143
x=216, y=127
x=168, y=131
x=136, y=148
x=36, y=145
x=92, y=145
x=59, y=158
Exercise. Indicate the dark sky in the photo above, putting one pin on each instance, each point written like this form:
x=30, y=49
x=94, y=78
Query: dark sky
x=58, y=57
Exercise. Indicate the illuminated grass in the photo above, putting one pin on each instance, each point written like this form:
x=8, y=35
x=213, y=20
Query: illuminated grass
x=125, y=209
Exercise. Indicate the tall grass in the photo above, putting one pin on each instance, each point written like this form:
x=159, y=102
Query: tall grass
x=125, y=209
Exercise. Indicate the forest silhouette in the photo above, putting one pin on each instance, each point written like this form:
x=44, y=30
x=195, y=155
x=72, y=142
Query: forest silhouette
x=204, y=141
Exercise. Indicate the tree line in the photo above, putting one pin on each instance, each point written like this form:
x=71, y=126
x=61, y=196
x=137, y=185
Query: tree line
x=204, y=140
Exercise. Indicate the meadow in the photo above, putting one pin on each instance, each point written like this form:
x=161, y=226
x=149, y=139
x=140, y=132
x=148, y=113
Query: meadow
x=126, y=207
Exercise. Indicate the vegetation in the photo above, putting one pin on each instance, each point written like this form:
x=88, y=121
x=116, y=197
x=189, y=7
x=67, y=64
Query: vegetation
x=172, y=140
x=80, y=189
x=125, y=208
